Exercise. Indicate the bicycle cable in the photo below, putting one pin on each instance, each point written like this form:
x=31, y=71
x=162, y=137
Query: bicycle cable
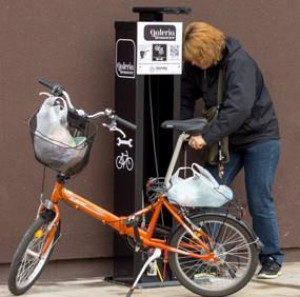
x=43, y=185
x=153, y=135
x=152, y=126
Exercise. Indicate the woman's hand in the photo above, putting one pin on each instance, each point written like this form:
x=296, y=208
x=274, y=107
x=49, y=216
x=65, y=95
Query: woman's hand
x=197, y=142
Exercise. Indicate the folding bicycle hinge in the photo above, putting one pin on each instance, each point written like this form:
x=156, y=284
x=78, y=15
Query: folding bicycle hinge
x=133, y=222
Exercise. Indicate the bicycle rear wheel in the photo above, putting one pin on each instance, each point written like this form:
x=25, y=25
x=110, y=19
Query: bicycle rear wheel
x=28, y=263
x=230, y=241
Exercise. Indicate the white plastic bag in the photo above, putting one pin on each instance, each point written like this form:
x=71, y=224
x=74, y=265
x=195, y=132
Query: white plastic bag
x=199, y=190
x=53, y=142
x=52, y=121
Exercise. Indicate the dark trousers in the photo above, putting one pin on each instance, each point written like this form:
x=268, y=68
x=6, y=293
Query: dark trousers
x=259, y=162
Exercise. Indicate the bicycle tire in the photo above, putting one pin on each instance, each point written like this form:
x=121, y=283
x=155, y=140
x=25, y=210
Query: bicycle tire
x=118, y=161
x=129, y=164
x=19, y=281
x=231, y=273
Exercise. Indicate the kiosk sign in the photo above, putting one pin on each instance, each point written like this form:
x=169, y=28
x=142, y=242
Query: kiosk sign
x=125, y=58
x=159, y=48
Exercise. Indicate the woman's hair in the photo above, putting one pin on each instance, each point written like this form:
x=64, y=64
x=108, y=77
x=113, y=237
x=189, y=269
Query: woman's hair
x=203, y=41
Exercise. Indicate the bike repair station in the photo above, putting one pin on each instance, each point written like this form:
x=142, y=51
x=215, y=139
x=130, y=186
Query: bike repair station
x=147, y=92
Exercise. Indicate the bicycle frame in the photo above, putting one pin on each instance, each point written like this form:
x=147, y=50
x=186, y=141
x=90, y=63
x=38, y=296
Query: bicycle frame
x=60, y=193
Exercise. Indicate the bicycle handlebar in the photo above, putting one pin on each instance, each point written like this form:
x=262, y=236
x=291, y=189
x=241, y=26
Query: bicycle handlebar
x=58, y=90
x=46, y=83
x=124, y=122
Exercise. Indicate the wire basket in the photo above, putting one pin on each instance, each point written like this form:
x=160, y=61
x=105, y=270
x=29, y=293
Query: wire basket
x=59, y=156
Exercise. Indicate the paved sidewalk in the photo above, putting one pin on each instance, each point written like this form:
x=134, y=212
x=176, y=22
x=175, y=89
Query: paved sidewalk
x=286, y=285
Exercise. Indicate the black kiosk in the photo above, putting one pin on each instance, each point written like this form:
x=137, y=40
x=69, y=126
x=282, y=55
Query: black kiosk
x=146, y=100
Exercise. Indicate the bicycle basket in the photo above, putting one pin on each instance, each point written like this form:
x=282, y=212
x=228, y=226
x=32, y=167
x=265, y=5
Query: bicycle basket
x=198, y=190
x=67, y=158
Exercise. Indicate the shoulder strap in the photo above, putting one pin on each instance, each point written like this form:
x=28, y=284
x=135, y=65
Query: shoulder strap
x=220, y=87
x=219, y=94
x=212, y=112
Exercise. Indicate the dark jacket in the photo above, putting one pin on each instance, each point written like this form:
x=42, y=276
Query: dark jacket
x=247, y=114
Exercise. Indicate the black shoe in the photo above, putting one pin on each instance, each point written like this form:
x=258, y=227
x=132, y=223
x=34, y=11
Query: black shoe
x=270, y=269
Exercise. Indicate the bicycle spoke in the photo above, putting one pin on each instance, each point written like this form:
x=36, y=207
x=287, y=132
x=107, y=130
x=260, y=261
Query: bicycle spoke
x=32, y=253
x=237, y=256
x=192, y=268
x=236, y=248
x=189, y=260
x=227, y=239
x=27, y=267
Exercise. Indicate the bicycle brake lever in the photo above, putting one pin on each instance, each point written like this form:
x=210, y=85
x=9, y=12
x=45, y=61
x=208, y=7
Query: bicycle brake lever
x=81, y=112
x=113, y=127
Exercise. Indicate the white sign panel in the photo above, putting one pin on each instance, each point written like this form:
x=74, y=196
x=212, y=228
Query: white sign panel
x=159, y=48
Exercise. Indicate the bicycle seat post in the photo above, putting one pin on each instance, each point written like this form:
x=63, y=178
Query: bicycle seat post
x=182, y=137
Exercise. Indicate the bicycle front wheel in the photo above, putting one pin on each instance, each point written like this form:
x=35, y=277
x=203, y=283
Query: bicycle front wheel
x=230, y=241
x=29, y=261
x=129, y=164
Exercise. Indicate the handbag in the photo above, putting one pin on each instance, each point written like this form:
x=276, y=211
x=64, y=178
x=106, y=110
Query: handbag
x=198, y=190
x=219, y=152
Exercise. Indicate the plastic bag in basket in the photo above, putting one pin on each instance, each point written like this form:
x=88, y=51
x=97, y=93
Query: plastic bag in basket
x=53, y=144
x=199, y=190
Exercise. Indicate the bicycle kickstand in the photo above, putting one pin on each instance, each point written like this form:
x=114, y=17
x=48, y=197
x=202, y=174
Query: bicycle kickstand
x=156, y=254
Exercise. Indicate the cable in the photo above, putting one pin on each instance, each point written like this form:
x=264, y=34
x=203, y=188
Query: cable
x=153, y=136
x=43, y=184
x=159, y=273
x=152, y=126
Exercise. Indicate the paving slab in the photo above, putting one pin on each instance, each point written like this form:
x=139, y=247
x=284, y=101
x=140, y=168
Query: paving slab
x=288, y=285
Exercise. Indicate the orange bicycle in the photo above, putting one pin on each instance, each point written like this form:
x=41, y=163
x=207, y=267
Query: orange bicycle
x=209, y=254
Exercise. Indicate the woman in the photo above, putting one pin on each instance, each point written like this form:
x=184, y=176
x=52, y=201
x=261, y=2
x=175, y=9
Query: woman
x=246, y=116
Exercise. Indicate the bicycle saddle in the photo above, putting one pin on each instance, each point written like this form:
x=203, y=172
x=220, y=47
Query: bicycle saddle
x=191, y=126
